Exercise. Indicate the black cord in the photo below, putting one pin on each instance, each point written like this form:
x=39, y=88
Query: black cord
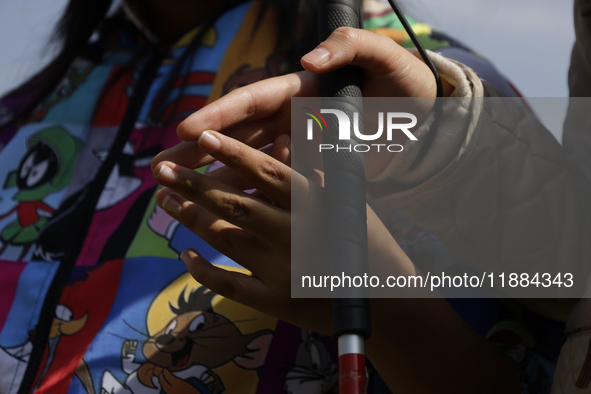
x=418, y=45
x=430, y=137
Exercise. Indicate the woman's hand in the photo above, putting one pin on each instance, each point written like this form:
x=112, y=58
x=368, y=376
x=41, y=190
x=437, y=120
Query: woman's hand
x=256, y=114
x=252, y=229
x=389, y=69
x=418, y=345
x=255, y=229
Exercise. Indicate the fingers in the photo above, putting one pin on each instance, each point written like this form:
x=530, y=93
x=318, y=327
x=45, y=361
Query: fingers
x=239, y=225
x=269, y=176
x=230, y=284
x=279, y=150
x=255, y=101
x=219, y=199
x=228, y=239
x=256, y=133
x=400, y=71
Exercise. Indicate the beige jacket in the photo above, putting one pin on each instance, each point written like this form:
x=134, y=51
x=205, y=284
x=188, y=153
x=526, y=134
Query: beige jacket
x=495, y=186
x=504, y=195
x=573, y=373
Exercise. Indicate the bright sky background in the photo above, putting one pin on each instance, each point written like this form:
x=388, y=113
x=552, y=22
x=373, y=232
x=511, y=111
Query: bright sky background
x=528, y=40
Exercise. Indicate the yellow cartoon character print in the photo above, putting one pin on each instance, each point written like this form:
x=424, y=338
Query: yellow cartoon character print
x=198, y=342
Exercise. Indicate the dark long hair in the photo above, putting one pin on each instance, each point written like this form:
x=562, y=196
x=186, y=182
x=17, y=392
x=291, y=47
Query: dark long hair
x=82, y=18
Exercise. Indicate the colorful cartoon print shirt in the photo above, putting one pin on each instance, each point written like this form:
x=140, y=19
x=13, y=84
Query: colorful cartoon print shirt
x=90, y=276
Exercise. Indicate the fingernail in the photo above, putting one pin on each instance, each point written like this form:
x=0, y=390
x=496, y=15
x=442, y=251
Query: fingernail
x=185, y=257
x=287, y=140
x=166, y=174
x=171, y=204
x=208, y=142
x=317, y=57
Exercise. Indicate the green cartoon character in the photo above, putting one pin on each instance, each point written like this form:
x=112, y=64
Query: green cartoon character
x=45, y=169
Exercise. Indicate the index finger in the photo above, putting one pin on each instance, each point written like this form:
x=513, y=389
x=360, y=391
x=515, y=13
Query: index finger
x=188, y=153
x=268, y=175
x=251, y=102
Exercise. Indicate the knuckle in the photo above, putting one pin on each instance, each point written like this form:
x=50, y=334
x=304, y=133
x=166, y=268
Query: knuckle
x=224, y=242
x=236, y=153
x=199, y=274
x=190, y=219
x=271, y=172
x=190, y=182
x=232, y=288
x=235, y=207
x=346, y=35
x=228, y=289
x=219, y=115
x=252, y=104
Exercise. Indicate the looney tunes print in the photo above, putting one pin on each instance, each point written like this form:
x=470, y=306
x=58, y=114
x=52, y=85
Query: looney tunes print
x=45, y=169
x=193, y=351
x=313, y=370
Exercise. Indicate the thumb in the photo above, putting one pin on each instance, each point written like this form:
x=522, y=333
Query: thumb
x=377, y=54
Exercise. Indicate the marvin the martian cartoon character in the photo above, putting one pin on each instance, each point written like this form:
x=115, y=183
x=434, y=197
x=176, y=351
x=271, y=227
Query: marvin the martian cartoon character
x=45, y=168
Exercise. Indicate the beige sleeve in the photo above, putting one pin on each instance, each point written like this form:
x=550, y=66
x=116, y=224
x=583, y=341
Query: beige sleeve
x=453, y=134
x=495, y=186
